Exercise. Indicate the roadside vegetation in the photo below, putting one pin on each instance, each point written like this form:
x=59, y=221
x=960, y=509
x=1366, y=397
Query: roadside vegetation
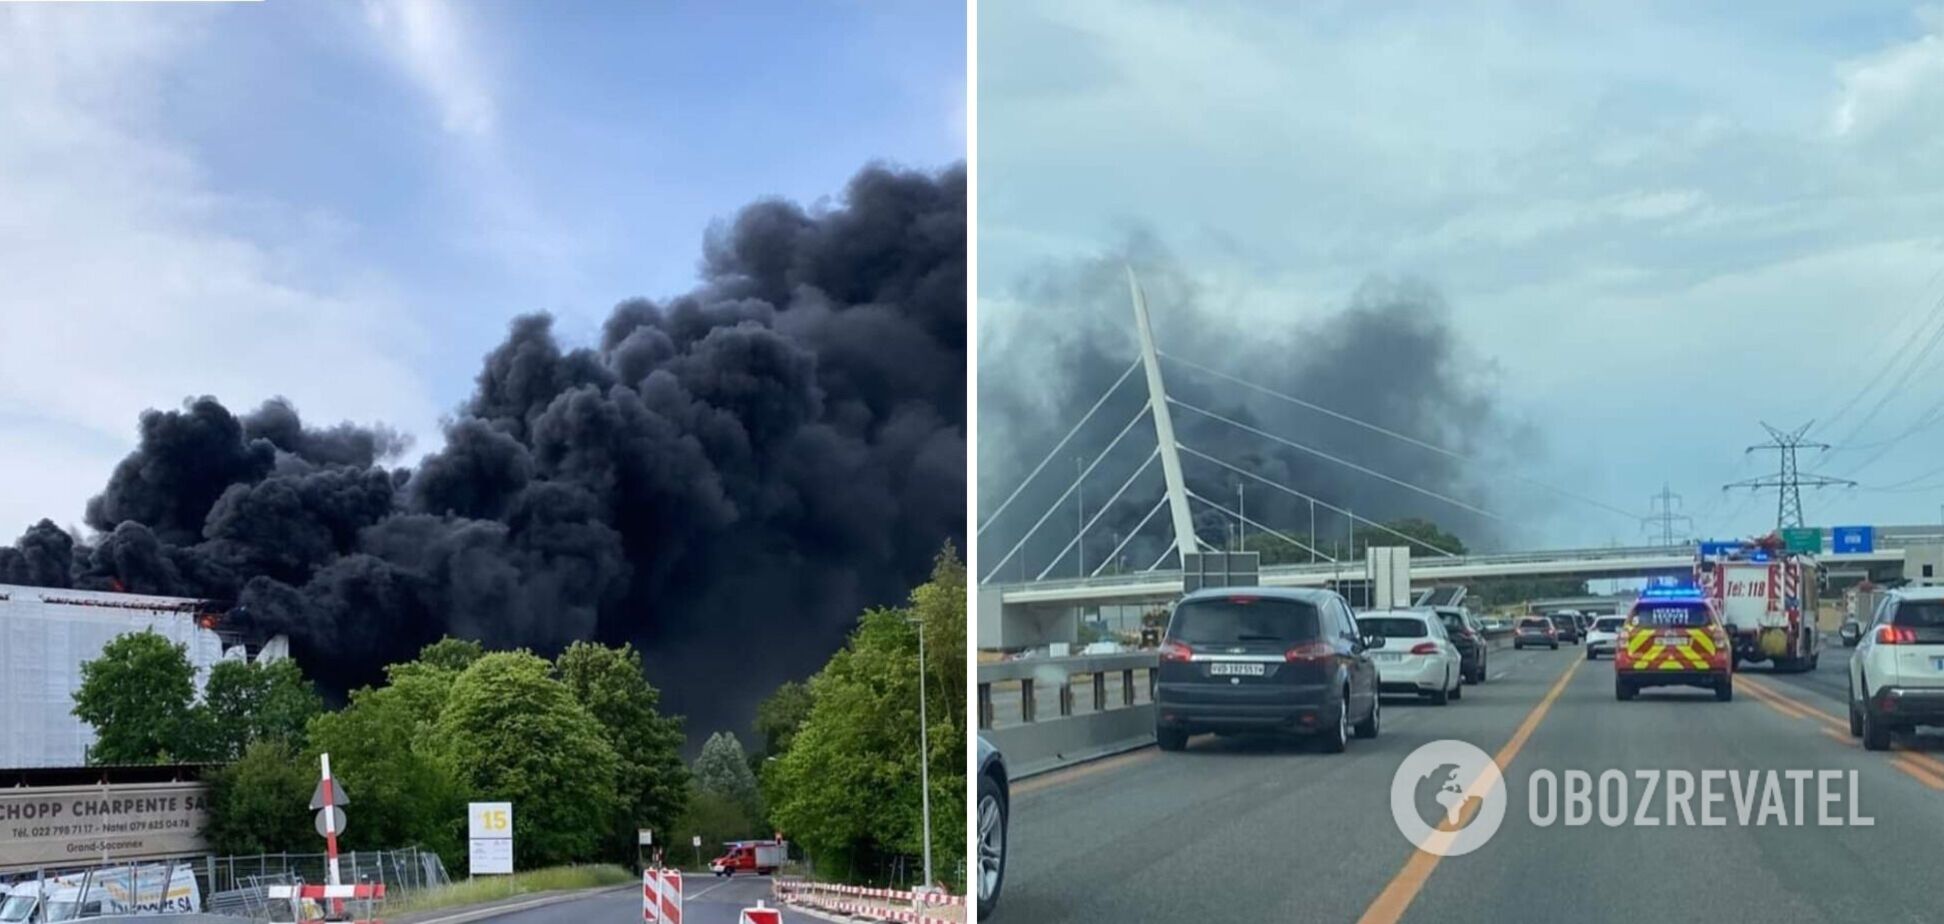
x=498, y=888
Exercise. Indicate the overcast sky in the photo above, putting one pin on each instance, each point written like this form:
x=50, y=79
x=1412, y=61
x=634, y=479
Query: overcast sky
x=344, y=203
x=1659, y=225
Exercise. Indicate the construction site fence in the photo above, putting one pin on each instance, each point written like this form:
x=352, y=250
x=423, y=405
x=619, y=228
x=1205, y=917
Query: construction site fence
x=239, y=885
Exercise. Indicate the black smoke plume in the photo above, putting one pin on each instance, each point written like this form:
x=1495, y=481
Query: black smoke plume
x=727, y=479
x=1387, y=355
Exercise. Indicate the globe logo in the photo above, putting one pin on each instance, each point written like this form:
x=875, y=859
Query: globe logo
x=1448, y=798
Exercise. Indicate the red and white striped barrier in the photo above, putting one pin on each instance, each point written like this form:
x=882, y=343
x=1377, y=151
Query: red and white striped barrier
x=760, y=915
x=865, y=902
x=369, y=891
x=661, y=896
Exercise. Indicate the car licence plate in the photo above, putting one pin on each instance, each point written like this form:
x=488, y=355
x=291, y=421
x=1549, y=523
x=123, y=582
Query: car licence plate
x=1679, y=641
x=1234, y=669
x=1937, y=664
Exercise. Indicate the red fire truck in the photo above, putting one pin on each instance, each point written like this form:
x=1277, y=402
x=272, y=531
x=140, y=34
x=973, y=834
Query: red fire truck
x=759, y=857
x=1766, y=596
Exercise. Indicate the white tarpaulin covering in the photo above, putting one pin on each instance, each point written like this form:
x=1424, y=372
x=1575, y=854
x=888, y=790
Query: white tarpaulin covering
x=46, y=634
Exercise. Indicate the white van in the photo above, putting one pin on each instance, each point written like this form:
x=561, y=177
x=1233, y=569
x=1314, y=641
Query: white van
x=155, y=888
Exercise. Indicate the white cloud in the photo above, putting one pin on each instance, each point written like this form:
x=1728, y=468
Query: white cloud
x=431, y=42
x=120, y=286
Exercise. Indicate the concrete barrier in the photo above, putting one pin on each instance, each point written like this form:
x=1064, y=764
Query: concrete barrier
x=1042, y=726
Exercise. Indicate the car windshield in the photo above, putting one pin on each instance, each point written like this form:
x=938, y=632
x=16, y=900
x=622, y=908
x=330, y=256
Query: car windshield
x=1393, y=626
x=1535, y=622
x=17, y=908
x=1672, y=615
x=1243, y=619
x=1561, y=619
x=1453, y=622
x=1922, y=614
x=1609, y=624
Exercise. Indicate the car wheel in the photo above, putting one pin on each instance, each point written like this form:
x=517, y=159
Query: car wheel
x=1517, y=647
x=1337, y=736
x=1725, y=689
x=1439, y=697
x=1555, y=646
x=1171, y=739
x=1815, y=659
x=992, y=844
x=1590, y=656
x=1856, y=721
x=1368, y=728
x=1876, y=735
x=1623, y=690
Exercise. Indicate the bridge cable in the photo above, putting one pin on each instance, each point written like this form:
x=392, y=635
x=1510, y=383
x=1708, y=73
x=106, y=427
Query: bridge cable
x=1375, y=428
x=1338, y=460
x=1267, y=529
x=1163, y=502
x=1100, y=513
x=1136, y=364
x=1324, y=504
x=1138, y=414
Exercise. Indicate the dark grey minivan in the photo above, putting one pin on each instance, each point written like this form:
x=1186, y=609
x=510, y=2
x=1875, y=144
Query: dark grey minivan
x=1265, y=659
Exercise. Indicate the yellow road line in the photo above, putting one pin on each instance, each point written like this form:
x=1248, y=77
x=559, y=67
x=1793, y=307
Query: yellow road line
x=1926, y=762
x=1774, y=702
x=1922, y=773
x=1390, y=904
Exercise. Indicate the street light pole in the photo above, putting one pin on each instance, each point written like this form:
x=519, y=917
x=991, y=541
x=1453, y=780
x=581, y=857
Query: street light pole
x=1079, y=522
x=924, y=756
x=1241, y=519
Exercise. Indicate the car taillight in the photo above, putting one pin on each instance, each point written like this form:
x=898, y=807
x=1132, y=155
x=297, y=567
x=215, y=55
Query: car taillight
x=1172, y=650
x=1425, y=648
x=1896, y=635
x=1309, y=651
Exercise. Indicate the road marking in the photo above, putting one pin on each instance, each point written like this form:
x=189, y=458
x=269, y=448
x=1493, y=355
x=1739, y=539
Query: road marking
x=1069, y=774
x=1777, y=703
x=1390, y=904
x=1811, y=711
x=1923, y=774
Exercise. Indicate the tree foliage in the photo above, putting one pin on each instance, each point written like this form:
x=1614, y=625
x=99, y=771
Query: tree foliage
x=515, y=733
x=849, y=785
x=780, y=714
x=260, y=803
x=652, y=779
x=139, y=696
x=246, y=702
x=723, y=769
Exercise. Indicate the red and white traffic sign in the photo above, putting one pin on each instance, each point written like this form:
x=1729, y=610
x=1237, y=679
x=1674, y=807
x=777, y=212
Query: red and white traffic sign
x=661, y=896
x=760, y=915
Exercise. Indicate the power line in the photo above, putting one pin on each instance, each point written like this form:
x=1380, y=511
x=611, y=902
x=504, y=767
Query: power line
x=1097, y=515
x=1427, y=492
x=1393, y=434
x=1788, y=479
x=1163, y=502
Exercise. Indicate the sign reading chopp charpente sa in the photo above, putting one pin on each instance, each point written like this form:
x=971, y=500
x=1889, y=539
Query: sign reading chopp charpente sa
x=72, y=825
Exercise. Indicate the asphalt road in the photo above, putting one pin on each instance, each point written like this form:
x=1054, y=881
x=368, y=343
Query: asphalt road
x=1242, y=829
x=705, y=900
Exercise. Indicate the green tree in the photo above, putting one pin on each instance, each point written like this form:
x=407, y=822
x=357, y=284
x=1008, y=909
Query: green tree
x=723, y=769
x=653, y=781
x=453, y=654
x=245, y=703
x=849, y=785
x=260, y=803
x=138, y=695
x=380, y=747
x=780, y=714
x=713, y=817
x=515, y=733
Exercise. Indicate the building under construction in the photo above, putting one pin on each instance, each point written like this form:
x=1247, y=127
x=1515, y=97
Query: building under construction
x=46, y=634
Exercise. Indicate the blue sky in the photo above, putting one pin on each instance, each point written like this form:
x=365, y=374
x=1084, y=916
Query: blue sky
x=344, y=203
x=1655, y=223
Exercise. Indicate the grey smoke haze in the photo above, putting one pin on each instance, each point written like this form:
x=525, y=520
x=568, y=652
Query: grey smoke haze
x=727, y=479
x=1387, y=354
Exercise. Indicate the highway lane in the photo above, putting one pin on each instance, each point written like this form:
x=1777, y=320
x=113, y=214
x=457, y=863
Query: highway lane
x=706, y=900
x=1251, y=830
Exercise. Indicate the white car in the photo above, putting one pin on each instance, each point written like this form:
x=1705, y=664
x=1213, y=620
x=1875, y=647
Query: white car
x=1416, y=655
x=1896, y=677
x=1604, y=634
